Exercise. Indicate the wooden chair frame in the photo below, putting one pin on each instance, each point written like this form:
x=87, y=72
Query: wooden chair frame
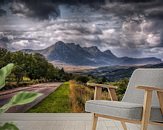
x=146, y=107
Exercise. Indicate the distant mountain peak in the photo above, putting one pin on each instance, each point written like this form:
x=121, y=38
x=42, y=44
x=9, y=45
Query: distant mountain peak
x=92, y=48
x=72, y=44
x=74, y=54
x=109, y=54
x=59, y=43
x=107, y=51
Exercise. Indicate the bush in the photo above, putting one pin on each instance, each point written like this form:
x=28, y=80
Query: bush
x=82, y=79
x=122, y=86
x=79, y=94
x=9, y=86
x=32, y=66
x=100, y=80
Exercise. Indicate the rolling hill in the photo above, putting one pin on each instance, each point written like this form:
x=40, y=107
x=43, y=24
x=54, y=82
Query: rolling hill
x=115, y=73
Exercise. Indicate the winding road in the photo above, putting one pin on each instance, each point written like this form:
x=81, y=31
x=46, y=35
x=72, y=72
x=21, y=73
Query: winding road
x=44, y=88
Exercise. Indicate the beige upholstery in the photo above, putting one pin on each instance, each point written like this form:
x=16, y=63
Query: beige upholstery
x=131, y=106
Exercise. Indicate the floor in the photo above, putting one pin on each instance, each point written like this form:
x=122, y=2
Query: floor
x=57, y=121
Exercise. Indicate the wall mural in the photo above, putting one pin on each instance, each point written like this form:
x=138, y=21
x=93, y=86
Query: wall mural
x=57, y=46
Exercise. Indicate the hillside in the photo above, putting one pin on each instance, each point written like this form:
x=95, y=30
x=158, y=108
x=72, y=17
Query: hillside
x=115, y=73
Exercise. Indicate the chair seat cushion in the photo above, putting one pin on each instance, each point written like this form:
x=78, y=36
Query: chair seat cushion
x=131, y=111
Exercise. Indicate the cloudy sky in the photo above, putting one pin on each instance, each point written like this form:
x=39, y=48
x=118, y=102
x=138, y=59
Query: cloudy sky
x=127, y=29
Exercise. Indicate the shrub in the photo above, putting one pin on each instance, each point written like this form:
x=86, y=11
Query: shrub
x=122, y=86
x=79, y=94
x=82, y=79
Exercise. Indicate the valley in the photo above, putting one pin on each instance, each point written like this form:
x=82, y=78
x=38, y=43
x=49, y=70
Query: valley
x=115, y=73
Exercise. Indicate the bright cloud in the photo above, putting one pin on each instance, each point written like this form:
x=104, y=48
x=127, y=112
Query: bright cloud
x=153, y=40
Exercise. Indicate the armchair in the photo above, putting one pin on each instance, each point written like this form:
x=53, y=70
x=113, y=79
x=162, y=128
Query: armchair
x=137, y=106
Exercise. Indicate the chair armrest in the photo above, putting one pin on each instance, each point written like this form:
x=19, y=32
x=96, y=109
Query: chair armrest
x=149, y=88
x=102, y=85
x=98, y=91
x=148, y=97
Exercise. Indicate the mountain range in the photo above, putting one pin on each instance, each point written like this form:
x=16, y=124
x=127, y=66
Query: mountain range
x=73, y=54
x=115, y=73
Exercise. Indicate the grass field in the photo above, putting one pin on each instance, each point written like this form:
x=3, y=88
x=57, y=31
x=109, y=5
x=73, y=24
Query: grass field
x=69, y=97
x=57, y=102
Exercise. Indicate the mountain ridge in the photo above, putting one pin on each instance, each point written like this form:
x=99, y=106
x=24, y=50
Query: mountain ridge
x=116, y=73
x=74, y=54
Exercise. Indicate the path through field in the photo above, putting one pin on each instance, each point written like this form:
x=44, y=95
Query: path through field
x=45, y=88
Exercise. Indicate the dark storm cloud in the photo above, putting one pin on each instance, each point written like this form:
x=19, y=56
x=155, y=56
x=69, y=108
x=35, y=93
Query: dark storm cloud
x=41, y=10
x=2, y=12
x=49, y=8
x=85, y=1
x=126, y=27
x=63, y=1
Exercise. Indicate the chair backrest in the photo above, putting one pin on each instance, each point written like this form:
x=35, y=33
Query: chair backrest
x=143, y=77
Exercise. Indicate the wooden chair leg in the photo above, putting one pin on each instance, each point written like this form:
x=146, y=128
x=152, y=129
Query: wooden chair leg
x=114, y=97
x=124, y=125
x=146, y=110
x=97, y=94
x=160, y=98
x=94, y=122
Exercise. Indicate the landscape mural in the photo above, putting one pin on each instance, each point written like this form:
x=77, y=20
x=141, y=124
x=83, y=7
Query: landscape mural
x=57, y=46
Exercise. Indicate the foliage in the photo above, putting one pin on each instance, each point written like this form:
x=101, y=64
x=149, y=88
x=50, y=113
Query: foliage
x=82, y=79
x=79, y=94
x=99, y=80
x=113, y=73
x=19, y=99
x=122, y=86
x=4, y=72
x=8, y=126
x=71, y=97
x=33, y=66
x=56, y=102
x=37, y=68
x=19, y=73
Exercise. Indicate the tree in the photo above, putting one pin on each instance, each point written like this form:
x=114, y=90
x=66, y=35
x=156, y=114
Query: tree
x=5, y=57
x=19, y=73
x=52, y=73
x=37, y=66
x=82, y=79
x=34, y=66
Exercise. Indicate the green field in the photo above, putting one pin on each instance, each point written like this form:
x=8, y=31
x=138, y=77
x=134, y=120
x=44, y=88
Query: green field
x=56, y=102
x=71, y=97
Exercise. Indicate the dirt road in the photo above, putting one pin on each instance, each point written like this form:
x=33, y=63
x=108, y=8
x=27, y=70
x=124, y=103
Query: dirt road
x=44, y=88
